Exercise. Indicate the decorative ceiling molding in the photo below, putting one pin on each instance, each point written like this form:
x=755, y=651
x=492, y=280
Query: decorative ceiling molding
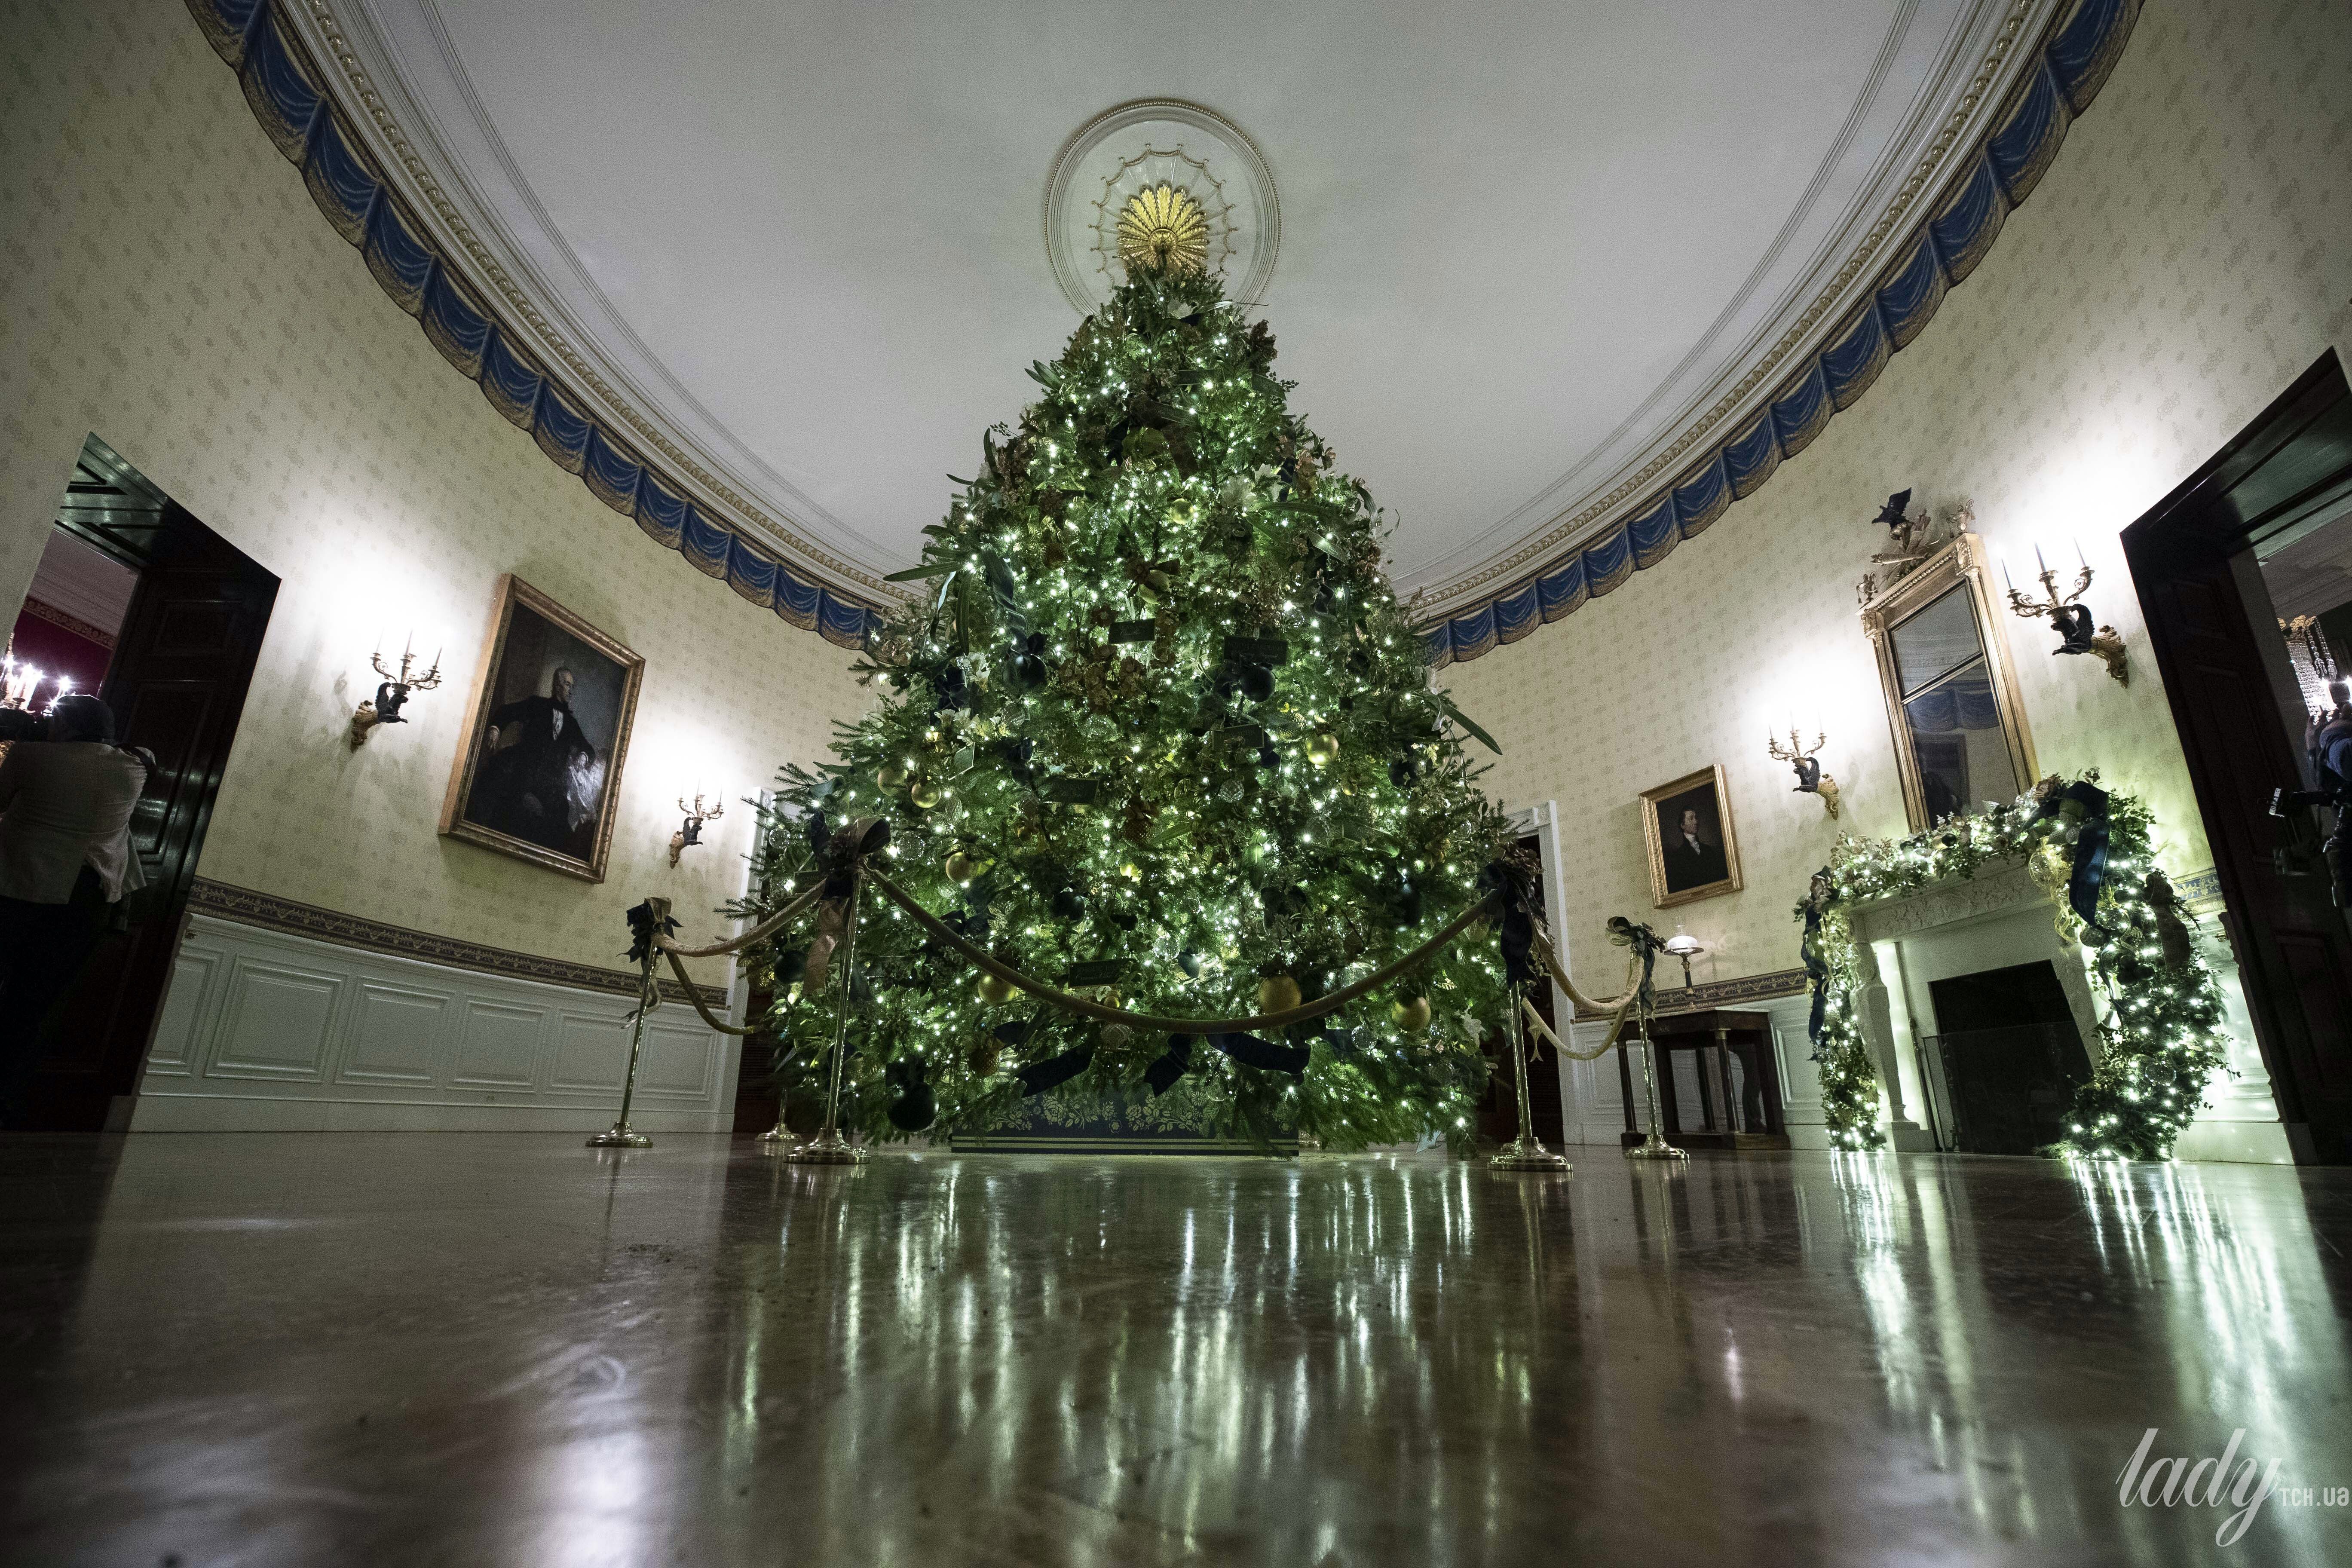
x=1160, y=140
x=283, y=86
x=2058, y=78
x=577, y=188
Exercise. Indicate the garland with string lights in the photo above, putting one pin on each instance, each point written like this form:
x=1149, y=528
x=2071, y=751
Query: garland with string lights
x=2091, y=850
x=1159, y=734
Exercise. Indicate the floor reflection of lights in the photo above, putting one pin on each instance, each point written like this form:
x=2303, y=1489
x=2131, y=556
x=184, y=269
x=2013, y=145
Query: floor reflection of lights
x=1354, y=1360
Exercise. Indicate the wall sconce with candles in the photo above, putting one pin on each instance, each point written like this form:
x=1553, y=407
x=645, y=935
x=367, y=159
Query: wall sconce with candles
x=392, y=693
x=689, y=832
x=1810, y=780
x=2071, y=618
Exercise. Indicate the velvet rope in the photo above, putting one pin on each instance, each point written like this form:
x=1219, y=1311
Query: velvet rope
x=757, y=933
x=671, y=950
x=694, y=994
x=1535, y=1020
x=1616, y=1007
x=1079, y=1005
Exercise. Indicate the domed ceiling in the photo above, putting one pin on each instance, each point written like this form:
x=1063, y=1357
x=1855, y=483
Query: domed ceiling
x=1512, y=251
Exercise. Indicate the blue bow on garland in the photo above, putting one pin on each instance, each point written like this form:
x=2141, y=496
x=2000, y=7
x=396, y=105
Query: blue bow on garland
x=1517, y=935
x=2090, y=866
x=1817, y=968
x=1055, y=1071
x=644, y=925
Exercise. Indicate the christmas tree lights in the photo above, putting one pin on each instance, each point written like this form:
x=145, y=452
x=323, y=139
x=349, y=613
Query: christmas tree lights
x=1158, y=733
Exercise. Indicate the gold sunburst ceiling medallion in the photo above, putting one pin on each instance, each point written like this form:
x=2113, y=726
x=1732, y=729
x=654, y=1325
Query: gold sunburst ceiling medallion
x=1163, y=228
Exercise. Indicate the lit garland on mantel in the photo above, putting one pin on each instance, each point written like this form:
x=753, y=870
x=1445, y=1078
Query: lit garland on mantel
x=2162, y=1036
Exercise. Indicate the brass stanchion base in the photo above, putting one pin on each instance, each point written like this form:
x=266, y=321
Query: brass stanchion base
x=778, y=1135
x=827, y=1148
x=1656, y=1148
x=1528, y=1155
x=620, y=1136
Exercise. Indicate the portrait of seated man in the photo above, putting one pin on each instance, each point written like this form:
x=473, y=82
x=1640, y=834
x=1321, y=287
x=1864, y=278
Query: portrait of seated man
x=541, y=781
x=553, y=719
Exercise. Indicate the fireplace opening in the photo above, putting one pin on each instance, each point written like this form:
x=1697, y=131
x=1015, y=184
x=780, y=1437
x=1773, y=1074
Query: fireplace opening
x=2005, y=1060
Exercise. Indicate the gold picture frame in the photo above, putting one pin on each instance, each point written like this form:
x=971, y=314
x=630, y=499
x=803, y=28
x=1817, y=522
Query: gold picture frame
x=1953, y=783
x=538, y=775
x=1681, y=873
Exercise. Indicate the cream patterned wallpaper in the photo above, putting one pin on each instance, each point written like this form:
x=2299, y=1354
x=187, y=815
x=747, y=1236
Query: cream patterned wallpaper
x=2189, y=255
x=166, y=282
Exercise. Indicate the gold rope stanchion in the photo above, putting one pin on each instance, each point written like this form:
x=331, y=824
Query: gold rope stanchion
x=829, y=1147
x=1527, y=1152
x=1652, y=1147
x=779, y=1134
x=621, y=1135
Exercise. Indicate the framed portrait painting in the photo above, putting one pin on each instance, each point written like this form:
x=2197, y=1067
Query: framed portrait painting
x=1686, y=825
x=539, y=771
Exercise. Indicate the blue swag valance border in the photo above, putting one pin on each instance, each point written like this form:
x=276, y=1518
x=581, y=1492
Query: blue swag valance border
x=305, y=126
x=2075, y=57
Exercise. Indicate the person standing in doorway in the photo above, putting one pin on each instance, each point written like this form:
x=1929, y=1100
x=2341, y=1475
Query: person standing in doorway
x=66, y=860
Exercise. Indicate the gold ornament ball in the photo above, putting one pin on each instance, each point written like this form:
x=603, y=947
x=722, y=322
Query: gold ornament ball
x=960, y=867
x=993, y=991
x=924, y=794
x=891, y=776
x=1323, y=748
x=1411, y=1017
x=1277, y=994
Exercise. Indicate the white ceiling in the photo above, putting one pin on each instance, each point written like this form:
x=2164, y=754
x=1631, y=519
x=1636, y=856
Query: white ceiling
x=1525, y=245
x=76, y=579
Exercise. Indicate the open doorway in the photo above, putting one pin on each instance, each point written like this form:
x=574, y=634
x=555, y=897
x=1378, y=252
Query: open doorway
x=65, y=636
x=2255, y=542
x=138, y=600
x=1499, y=1107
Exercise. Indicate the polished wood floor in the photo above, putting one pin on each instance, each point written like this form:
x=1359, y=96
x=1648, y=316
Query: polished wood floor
x=506, y=1349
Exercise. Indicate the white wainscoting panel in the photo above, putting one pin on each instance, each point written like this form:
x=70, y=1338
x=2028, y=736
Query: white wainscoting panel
x=285, y=1016
x=397, y=1035
x=193, y=978
x=590, y=1056
x=263, y=1030
x=498, y=1044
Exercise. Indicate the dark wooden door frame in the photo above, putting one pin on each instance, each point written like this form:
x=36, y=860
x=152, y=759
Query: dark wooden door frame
x=186, y=654
x=2186, y=559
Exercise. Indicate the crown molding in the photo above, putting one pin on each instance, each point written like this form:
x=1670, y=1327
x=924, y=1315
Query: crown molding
x=1951, y=114
x=1927, y=239
x=371, y=95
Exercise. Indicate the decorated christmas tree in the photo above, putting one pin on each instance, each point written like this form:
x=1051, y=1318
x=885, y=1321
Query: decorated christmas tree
x=1157, y=736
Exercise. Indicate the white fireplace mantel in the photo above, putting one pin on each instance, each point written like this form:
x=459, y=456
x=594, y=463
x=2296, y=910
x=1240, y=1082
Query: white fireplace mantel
x=1999, y=919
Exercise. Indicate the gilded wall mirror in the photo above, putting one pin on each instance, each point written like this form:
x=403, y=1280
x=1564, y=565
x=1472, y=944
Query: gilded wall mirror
x=1951, y=699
